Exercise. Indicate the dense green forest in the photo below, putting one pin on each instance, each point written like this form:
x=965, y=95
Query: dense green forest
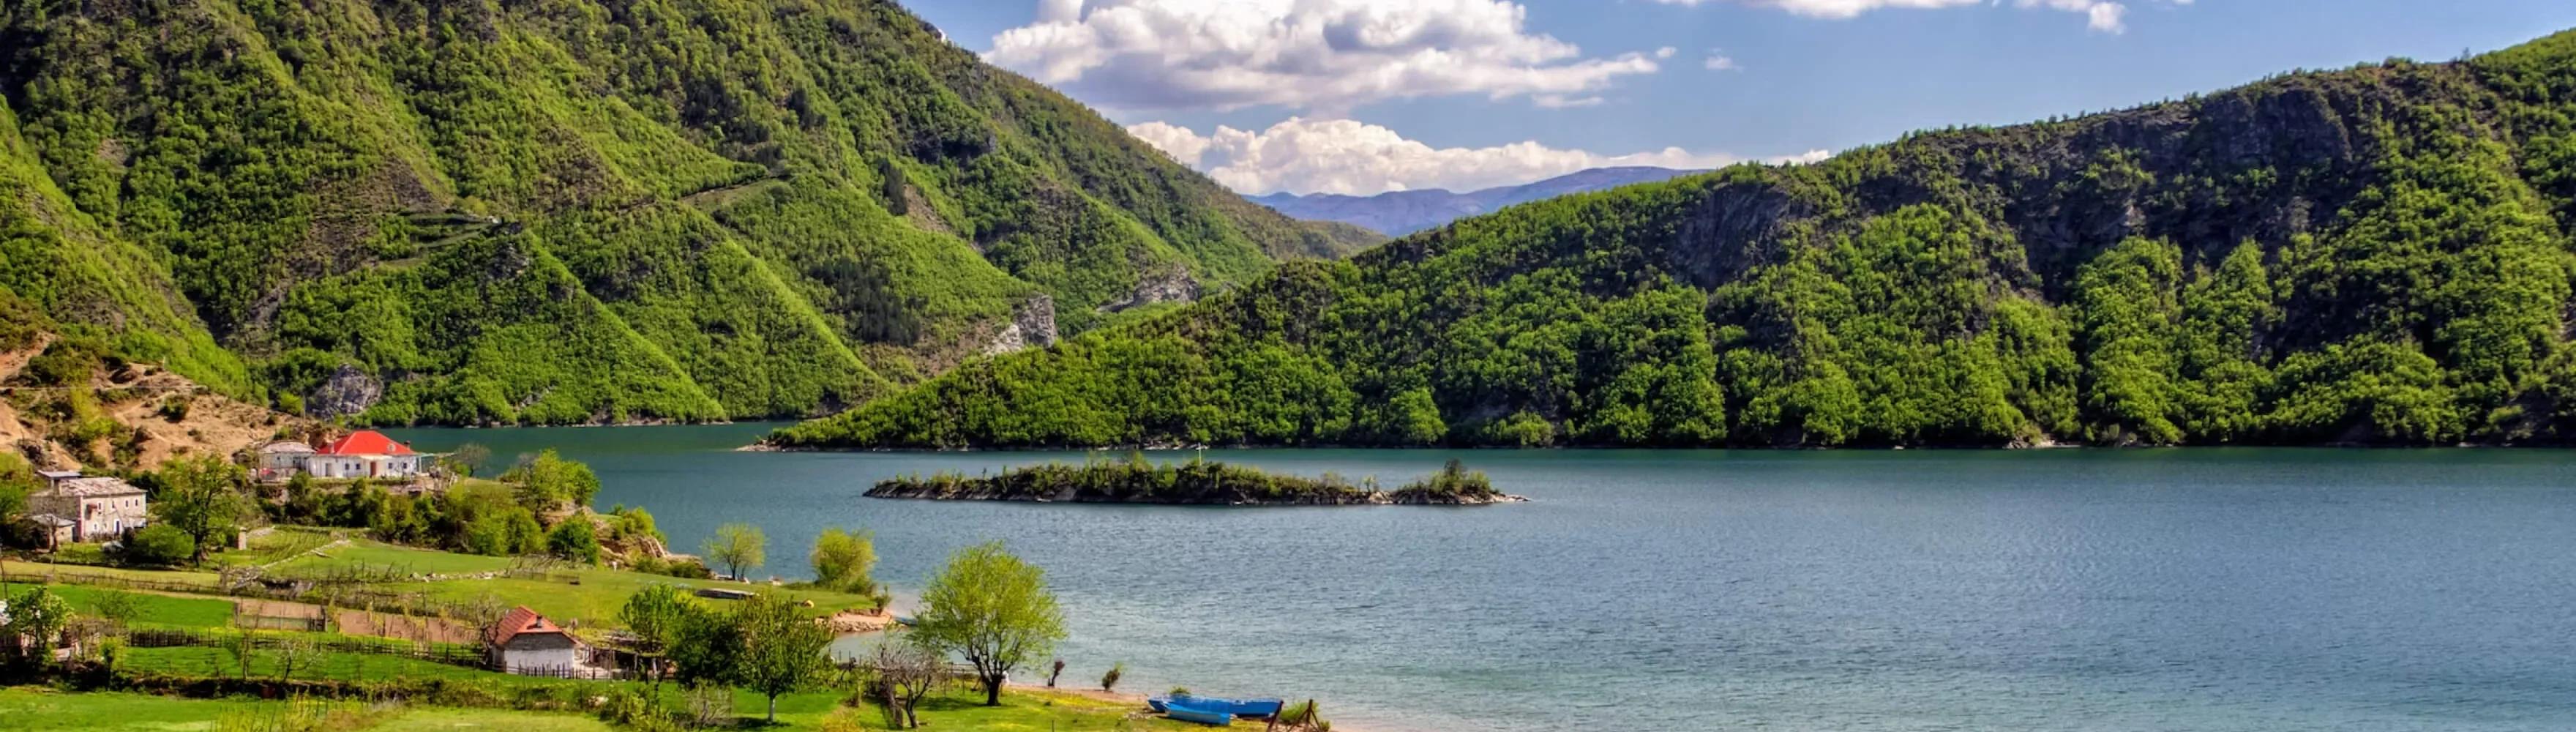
x=2374, y=255
x=574, y=211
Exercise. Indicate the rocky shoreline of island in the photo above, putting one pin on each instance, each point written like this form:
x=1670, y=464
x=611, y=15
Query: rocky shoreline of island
x=1194, y=483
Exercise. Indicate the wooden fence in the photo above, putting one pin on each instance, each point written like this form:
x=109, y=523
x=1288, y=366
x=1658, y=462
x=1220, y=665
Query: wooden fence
x=453, y=654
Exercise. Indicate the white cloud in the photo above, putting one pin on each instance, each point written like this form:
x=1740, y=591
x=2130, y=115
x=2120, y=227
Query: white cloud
x=2105, y=16
x=1307, y=54
x=1355, y=158
x=1718, y=62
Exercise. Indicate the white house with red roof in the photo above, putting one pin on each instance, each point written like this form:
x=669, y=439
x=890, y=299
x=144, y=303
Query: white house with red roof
x=360, y=454
x=524, y=642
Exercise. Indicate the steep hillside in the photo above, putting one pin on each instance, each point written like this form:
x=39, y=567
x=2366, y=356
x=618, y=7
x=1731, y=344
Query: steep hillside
x=2375, y=255
x=571, y=211
x=66, y=402
x=1404, y=212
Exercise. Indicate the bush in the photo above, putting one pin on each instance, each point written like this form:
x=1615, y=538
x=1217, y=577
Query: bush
x=574, y=539
x=160, y=544
x=1109, y=681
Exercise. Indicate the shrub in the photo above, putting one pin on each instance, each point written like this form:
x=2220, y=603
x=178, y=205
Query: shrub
x=574, y=539
x=160, y=544
x=1109, y=681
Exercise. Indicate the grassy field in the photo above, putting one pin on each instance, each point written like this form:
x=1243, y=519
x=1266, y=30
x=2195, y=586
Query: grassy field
x=24, y=571
x=150, y=609
x=368, y=554
x=37, y=709
x=594, y=602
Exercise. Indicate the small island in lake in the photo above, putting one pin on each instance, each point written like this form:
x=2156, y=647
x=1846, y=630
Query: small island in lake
x=1195, y=483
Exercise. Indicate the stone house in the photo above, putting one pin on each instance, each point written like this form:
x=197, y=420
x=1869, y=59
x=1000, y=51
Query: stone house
x=86, y=509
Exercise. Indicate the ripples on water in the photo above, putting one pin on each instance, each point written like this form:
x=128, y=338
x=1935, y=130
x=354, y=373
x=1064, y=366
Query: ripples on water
x=2206, y=590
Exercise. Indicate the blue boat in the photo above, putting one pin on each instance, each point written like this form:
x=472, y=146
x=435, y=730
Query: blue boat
x=1174, y=708
x=1236, y=707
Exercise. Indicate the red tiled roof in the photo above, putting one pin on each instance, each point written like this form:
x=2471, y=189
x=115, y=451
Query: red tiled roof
x=519, y=621
x=365, y=442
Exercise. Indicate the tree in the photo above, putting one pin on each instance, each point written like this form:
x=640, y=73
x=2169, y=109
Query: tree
x=462, y=460
x=574, y=539
x=294, y=651
x=240, y=646
x=906, y=672
x=842, y=560
x=526, y=535
x=549, y=481
x=201, y=496
x=737, y=547
x=117, y=608
x=782, y=648
x=38, y=616
x=992, y=609
x=655, y=615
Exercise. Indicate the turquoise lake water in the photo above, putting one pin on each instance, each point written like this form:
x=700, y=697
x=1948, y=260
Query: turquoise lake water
x=2211, y=590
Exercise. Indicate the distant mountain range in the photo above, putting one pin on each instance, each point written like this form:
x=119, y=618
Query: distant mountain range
x=1398, y=213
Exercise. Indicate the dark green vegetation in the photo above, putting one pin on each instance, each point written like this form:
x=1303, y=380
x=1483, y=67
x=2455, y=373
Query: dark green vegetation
x=566, y=211
x=2375, y=255
x=1198, y=482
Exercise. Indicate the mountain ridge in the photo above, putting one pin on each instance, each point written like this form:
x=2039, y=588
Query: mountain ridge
x=1398, y=213
x=2376, y=255
x=575, y=212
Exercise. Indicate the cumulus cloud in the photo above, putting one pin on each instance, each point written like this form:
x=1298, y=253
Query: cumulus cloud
x=1721, y=62
x=2105, y=16
x=1356, y=158
x=1307, y=54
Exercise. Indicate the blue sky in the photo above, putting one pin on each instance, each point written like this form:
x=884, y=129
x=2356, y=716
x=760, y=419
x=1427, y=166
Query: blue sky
x=1362, y=96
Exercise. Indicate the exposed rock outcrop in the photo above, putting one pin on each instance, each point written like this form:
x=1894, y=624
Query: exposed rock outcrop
x=349, y=391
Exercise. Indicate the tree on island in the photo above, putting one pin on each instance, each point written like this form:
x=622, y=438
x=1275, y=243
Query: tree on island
x=201, y=496
x=842, y=560
x=992, y=609
x=737, y=546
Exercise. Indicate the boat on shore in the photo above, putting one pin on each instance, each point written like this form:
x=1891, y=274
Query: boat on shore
x=1257, y=708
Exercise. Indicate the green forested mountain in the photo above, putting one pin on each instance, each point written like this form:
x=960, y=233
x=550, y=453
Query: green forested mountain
x=2374, y=255
x=568, y=211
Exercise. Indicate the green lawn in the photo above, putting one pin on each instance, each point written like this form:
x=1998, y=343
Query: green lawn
x=36, y=571
x=595, y=601
x=208, y=662
x=150, y=609
x=373, y=555
x=434, y=719
x=39, y=709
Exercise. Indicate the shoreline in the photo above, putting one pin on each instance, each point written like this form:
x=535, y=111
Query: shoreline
x=1138, y=701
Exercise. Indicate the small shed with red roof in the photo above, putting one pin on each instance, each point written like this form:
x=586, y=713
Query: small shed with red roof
x=524, y=642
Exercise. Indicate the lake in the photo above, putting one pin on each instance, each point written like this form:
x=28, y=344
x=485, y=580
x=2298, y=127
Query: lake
x=2212, y=590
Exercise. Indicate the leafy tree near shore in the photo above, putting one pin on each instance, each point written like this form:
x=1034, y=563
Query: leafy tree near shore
x=992, y=609
x=548, y=481
x=737, y=546
x=202, y=496
x=842, y=560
